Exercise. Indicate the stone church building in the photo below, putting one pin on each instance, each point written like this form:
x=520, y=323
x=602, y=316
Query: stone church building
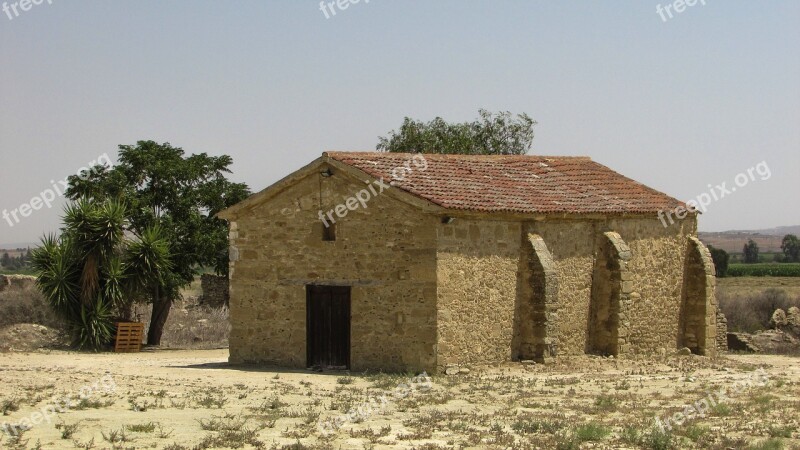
x=391, y=261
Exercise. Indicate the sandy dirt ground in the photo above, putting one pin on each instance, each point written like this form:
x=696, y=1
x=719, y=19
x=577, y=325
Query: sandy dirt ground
x=193, y=399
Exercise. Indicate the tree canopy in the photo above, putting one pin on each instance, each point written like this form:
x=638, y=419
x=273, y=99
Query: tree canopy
x=790, y=246
x=750, y=251
x=91, y=272
x=720, y=258
x=160, y=186
x=490, y=134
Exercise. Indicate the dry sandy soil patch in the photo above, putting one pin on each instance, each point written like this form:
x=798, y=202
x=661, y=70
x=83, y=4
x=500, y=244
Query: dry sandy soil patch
x=194, y=399
x=754, y=285
x=25, y=337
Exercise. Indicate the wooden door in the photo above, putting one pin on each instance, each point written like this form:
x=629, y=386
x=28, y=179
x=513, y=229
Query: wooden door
x=328, y=326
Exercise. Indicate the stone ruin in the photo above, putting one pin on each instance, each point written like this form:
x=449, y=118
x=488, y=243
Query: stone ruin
x=787, y=320
x=722, y=332
x=785, y=334
x=216, y=290
x=16, y=282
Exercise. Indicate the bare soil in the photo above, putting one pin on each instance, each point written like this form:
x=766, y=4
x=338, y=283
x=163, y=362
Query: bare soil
x=175, y=399
x=23, y=337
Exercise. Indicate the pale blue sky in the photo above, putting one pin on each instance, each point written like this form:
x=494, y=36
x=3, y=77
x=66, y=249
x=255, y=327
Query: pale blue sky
x=677, y=105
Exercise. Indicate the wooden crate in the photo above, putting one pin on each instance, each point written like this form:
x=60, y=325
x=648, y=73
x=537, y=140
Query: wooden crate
x=129, y=337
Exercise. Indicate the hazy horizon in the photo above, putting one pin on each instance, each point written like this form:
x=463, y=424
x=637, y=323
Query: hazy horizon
x=681, y=105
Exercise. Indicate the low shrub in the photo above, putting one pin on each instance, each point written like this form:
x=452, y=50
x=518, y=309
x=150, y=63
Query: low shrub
x=750, y=313
x=26, y=305
x=591, y=432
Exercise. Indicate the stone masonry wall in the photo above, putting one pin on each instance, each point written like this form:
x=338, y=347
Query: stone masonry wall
x=698, y=312
x=536, y=317
x=571, y=244
x=722, y=332
x=654, y=276
x=385, y=251
x=611, y=288
x=477, y=265
x=656, y=268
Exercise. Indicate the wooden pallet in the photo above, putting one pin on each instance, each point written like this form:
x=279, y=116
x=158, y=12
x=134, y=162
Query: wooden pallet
x=129, y=337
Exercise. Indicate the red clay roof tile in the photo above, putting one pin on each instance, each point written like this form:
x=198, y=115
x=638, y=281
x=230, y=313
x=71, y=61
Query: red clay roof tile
x=514, y=183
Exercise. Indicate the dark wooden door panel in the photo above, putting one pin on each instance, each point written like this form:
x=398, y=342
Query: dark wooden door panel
x=328, y=326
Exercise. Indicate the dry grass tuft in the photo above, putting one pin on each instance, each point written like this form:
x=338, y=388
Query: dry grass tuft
x=752, y=312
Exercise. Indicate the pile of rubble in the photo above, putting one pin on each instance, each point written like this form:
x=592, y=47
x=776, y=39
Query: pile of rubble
x=783, y=338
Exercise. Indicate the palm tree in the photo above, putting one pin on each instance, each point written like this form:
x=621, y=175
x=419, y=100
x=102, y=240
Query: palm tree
x=97, y=267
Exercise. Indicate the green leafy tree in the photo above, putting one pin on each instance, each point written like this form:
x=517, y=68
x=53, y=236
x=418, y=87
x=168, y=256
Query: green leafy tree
x=490, y=134
x=721, y=259
x=750, y=252
x=791, y=248
x=178, y=193
x=91, y=272
x=6, y=260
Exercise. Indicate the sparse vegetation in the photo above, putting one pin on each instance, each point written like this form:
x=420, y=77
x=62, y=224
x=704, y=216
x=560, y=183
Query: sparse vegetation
x=116, y=436
x=769, y=444
x=721, y=410
x=67, y=431
x=148, y=427
x=345, y=380
x=658, y=439
x=9, y=406
x=26, y=305
x=753, y=312
x=605, y=403
x=591, y=432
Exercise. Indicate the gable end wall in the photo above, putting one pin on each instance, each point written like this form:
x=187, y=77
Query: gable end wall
x=385, y=251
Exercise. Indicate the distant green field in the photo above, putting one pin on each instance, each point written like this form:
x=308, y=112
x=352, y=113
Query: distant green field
x=763, y=257
x=764, y=270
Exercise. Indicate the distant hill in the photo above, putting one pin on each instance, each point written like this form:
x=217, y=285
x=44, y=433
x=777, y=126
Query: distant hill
x=19, y=245
x=768, y=240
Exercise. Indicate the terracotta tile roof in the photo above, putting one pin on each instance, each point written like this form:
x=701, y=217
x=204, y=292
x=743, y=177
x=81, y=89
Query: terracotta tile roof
x=512, y=183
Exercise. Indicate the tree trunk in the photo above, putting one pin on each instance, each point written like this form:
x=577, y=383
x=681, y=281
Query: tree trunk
x=161, y=307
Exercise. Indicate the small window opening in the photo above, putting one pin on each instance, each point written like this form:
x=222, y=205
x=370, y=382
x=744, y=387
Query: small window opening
x=329, y=232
